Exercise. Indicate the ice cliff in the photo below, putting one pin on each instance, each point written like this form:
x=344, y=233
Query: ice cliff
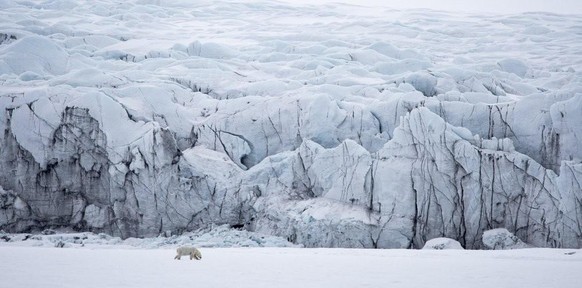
x=331, y=126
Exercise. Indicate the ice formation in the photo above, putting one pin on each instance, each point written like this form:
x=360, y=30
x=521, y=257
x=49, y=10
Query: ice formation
x=501, y=239
x=442, y=243
x=330, y=126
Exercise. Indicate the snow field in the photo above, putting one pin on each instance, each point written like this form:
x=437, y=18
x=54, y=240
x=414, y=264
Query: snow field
x=288, y=267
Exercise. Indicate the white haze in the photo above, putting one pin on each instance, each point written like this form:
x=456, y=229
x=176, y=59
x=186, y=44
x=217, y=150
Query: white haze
x=496, y=6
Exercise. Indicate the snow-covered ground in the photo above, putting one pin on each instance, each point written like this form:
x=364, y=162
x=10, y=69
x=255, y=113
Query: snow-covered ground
x=233, y=258
x=288, y=267
x=215, y=236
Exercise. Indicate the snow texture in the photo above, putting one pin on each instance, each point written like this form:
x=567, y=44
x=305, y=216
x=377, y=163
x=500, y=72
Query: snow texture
x=327, y=126
x=500, y=239
x=287, y=267
x=442, y=244
x=216, y=236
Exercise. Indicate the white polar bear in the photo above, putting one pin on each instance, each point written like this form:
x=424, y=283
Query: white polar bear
x=187, y=250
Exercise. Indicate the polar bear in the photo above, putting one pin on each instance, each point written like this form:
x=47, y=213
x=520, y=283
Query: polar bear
x=187, y=250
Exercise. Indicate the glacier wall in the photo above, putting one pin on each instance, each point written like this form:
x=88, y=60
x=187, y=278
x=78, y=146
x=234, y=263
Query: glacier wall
x=335, y=127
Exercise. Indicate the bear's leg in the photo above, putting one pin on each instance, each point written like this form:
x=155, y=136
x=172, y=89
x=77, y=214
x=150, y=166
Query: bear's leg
x=177, y=257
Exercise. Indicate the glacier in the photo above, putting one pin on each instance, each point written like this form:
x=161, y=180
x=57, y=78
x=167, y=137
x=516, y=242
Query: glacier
x=330, y=126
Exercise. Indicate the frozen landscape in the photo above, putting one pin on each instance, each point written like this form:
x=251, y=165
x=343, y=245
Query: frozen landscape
x=258, y=131
x=327, y=126
x=232, y=258
x=288, y=267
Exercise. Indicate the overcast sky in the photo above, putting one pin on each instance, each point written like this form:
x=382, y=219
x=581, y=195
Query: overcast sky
x=499, y=6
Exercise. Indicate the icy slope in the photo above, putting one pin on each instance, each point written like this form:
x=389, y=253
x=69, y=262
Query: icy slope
x=334, y=125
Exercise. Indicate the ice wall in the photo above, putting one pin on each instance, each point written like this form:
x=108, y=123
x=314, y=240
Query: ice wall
x=335, y=126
